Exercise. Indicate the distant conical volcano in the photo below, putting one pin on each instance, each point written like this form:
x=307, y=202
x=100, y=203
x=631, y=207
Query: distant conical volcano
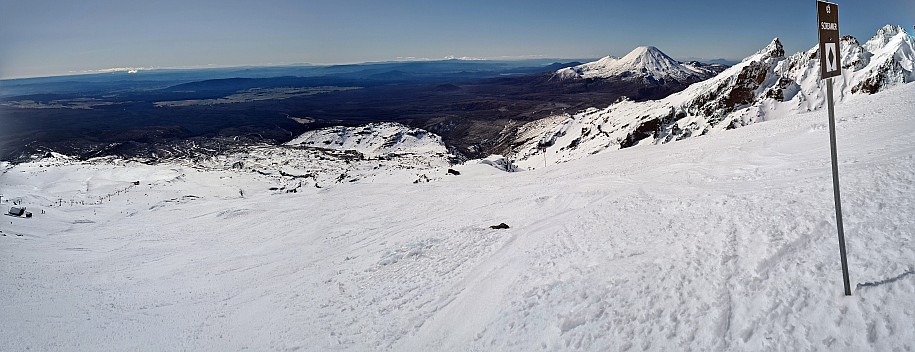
x=644, y=62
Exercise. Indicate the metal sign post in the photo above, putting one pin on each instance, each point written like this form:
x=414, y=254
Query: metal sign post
x=831, y=66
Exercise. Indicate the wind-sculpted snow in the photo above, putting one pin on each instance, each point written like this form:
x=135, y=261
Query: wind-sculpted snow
x=767, y=85
x=708, y=244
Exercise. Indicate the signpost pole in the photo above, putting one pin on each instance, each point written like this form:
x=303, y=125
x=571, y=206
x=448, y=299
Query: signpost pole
x=831, y=66
x=544, y=157
x=835, y=184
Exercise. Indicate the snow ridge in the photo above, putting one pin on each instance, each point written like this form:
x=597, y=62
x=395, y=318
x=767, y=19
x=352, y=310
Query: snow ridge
x=883, y=37
x=766, y=85
x=373, y=153
x=374, y=139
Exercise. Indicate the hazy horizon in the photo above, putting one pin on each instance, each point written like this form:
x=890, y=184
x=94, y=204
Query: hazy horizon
x=46, y=38
x=543, y=60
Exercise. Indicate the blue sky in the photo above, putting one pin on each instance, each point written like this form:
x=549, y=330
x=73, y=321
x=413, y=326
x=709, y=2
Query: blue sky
x=40, y=38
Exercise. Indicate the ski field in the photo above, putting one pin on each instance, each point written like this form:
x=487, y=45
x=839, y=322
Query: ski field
x=723, y=242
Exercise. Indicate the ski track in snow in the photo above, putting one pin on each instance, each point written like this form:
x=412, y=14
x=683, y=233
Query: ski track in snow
x=718, y=243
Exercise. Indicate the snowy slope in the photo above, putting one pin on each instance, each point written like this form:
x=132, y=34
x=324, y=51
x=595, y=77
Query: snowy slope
x=766, y=85
x=709, y=244
x=374, y=139
x=377, y=152
x=645, y=62
x=292, y=167
x=374, y=153
x=588, y=69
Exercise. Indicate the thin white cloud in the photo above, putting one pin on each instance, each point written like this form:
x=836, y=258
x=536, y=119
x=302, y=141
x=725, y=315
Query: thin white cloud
x=115, y=69
x=467, y=58
x=471, y=58
x=517, y=57
x=412, y=58
x=448, y=57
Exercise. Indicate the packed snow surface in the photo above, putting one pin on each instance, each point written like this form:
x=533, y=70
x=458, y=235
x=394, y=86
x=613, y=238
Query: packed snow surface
x=723, y=242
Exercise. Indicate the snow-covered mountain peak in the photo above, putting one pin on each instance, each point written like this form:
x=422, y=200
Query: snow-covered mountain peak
x=854, y=55
x=774, y=50
x=647, y=52
x=651, y=61
x=884, y=36
x=644, y=62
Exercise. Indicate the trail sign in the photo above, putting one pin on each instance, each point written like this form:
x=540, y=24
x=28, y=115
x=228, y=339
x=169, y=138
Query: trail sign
x=831, y=66
x=828, y=25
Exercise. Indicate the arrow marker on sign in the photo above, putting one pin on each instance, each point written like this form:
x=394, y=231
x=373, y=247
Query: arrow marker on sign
x=831, y=57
